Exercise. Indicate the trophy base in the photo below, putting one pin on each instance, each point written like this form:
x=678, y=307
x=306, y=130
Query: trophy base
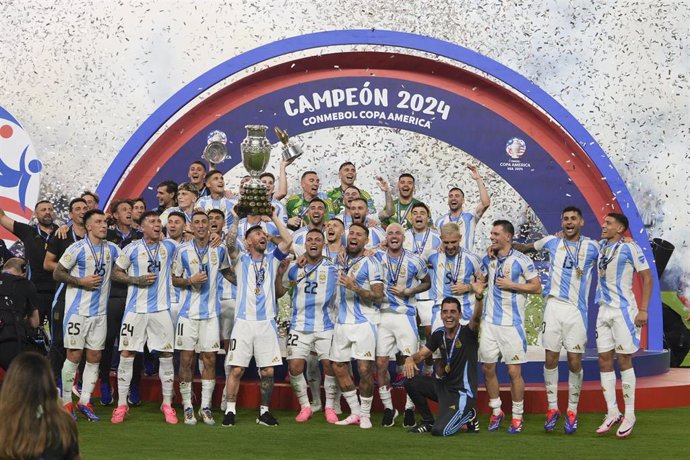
x=254, y=201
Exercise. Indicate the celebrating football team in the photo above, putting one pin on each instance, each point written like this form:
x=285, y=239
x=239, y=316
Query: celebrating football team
x=380, y=295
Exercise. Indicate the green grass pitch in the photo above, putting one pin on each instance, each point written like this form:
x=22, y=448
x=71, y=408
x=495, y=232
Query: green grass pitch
x=144, y=435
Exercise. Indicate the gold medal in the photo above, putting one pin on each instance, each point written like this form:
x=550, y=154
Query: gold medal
x=579, y=272
x=257, y=291
x=447, y=369
x=602, y=273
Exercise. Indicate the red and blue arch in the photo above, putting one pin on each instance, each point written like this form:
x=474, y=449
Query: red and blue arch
x=567, y=164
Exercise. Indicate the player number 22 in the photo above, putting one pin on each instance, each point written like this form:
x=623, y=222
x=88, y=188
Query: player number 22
x=310, y=287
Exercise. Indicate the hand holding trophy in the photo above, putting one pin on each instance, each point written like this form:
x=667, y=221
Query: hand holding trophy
x=256, y=151
x=291, y=151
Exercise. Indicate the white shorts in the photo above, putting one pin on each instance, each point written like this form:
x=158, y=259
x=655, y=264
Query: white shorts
x=507, y=343
x=82, y=332
x=258, y=339
x=198, y=335
x=397, y=332
x=356, y=341
x=563, y=327
x=227, y=317
x=300, y=344
x=424, y=308
x=616, y=330
x=156, y=329
x=175, y=308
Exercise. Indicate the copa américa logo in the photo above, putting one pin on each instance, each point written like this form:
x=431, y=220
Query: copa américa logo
x=20, y=170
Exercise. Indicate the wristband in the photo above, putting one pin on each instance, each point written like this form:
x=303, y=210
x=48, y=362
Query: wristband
x=479, y=296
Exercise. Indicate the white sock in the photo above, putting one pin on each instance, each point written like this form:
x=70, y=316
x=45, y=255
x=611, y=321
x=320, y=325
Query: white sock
x=518, y=409
x=314, y=378
x=232, y=407
x=69, y=371
x=186, y=392
x=124, y=378
x=263, y=410
x=330, y=385
x=386, y=399
x=574, y=389
x=166, y=372
x=88, y=382
x=495, y=405
x=409, y=405
x=299, y=386
x=350, y=397
x=551, y=384
x=207, y=387
x=608, y=385
x=365, y=409
x=628, y=380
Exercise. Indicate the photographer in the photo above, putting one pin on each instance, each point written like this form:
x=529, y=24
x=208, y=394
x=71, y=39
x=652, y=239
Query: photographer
x=18, y=310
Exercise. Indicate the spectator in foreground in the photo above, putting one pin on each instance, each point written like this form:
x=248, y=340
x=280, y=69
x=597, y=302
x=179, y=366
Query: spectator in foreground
x=34, y=423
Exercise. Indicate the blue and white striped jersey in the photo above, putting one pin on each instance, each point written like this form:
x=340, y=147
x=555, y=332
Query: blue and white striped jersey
x=445, y=271
x=571, y=264
x=617, y=264
x=256, y=295
x=201, y=302
x=351, y=308
x=83, y=259
x=313, y=296
x=138, y=259
x=468, y=224
x=207, y=203
x=405, y=271
x=507, y=308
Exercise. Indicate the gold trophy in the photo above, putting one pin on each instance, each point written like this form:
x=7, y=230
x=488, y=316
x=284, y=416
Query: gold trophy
x=291, y=151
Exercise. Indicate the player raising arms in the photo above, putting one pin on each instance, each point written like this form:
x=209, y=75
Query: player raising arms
x=313, y=298
x=255, y=333
x=467, y=220
x=360, y=288
x=511, y=276
x=572, y=258
x=145, y=267
x=198, y=270
x=619, y=320
x=85, y=268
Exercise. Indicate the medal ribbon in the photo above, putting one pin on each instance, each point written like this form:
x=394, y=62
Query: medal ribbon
x=603, y=260
x=201, y=255
x=456, y=270
x=349, y=265
x=420, y=249
x=393, y=275
x=499, y=265
x=451, y=350
x=402, y=219
x=257, y=272
x=98, y=262
x=307, y=274
x=153, y=257
x=574, y=259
